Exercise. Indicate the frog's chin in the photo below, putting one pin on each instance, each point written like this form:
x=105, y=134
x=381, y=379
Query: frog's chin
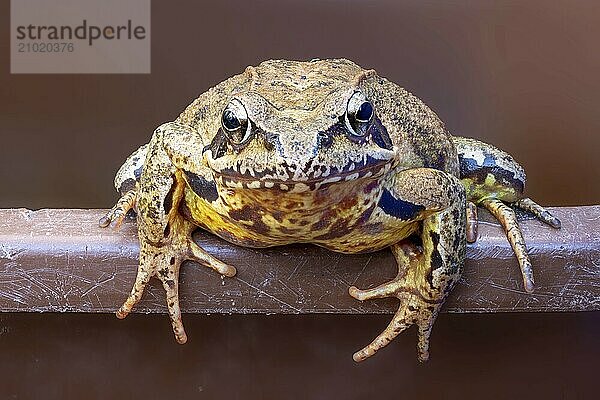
x=302, y=185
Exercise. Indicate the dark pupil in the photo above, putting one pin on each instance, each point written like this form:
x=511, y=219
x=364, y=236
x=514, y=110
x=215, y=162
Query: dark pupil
x=364, y=112
x=230, y=121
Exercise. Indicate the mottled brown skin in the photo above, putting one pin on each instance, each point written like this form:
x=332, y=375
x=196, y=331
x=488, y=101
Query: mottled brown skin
x=320, y=152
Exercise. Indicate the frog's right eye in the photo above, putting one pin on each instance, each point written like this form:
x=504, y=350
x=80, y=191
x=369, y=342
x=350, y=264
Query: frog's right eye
x=235, y=123
x=359, y=114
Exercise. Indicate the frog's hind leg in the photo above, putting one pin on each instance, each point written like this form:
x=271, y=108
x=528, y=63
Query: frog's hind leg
x=126, y=183
x=494, y=180
x=426, y=276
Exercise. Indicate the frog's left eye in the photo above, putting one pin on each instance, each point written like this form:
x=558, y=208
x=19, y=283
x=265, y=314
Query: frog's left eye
x=235, y=122
x=359, y=114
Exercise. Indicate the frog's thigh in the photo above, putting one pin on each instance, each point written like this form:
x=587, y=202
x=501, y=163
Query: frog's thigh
x=126, y=183
x=424, y=279
x=488, y=172
x=129, y=173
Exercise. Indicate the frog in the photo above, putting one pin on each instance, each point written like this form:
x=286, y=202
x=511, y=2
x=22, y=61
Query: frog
x=321, y=152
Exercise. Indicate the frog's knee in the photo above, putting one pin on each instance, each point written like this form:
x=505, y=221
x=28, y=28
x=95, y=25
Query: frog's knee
x=131, y=170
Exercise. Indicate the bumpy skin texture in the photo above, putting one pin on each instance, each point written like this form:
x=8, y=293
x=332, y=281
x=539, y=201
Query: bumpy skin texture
x=320, y=152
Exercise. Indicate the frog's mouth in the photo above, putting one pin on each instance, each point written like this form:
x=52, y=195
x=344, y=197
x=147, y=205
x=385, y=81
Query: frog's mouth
x=297, y=180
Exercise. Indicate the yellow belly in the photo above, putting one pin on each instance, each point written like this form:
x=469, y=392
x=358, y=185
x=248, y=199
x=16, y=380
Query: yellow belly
x=343, y=218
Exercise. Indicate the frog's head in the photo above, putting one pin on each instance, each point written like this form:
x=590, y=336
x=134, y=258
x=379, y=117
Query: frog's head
x=299, y=125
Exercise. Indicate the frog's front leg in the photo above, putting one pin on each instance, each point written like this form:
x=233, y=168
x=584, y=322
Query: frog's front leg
x=494, y=180
x=426, y=276
x=164, y=234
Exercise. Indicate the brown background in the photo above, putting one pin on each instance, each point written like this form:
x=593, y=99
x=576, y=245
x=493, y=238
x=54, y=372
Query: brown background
x=521, y=75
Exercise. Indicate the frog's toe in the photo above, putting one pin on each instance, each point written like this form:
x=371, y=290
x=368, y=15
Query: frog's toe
x=169, y=276
x=199, y=255
x=388, y=289
x=508, y=219
x=472, y=222
x=165, y=265
x=401, y=321
x=405, y=253
x=413, y=310
x=114, y=217
x=540, y=212
x=142, y=279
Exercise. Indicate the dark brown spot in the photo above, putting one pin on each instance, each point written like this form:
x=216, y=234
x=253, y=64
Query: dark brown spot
x=185, y=211
x=380, y=135
x=278, y=215
x=218, y=146
x=168, y=201
x=365, y=216
x=203, y=187
x=325, y=220
x=372, y=185
x=348, y=202
x=373, y=228
x=126, y=186
x=250, y=214
x=338, y=229
x=436, y=258
x=245, y=242
x=246, y=213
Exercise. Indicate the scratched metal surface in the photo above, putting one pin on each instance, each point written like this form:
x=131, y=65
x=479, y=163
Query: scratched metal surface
x=59, y=261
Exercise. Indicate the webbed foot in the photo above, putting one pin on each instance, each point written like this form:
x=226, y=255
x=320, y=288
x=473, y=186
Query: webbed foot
x=163, y=260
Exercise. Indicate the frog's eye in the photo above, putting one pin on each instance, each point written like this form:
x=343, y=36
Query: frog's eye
x=359, y=114
x=235, y=122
